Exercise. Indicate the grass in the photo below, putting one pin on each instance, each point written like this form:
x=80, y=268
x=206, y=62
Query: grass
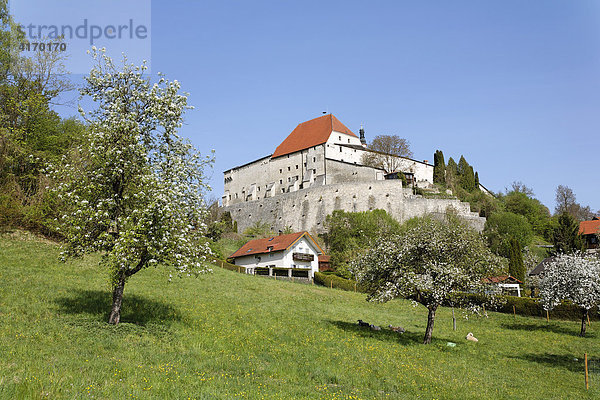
x=227, y=335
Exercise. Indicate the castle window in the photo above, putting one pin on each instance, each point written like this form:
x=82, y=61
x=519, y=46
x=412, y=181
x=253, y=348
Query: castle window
x=296, y=166
x=340, y=149
x=314, y=159
x=280, y=181
x=304, y=165
x=288, y=168
x=280, y=171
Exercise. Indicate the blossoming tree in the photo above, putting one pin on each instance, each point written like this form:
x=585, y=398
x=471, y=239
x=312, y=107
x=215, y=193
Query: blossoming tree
x=573, y=277
x=428, y=263
x=136, y=193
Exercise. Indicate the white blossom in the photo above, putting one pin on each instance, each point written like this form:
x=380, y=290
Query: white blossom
x=573, y=277
x=137, y=193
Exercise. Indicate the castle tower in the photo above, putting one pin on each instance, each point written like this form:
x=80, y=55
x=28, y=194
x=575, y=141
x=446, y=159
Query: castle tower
x=362, y=136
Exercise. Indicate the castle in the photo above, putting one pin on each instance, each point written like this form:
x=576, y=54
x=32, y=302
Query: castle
x=320, y=167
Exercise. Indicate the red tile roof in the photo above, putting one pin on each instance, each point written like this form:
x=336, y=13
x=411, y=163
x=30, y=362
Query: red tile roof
x=276, y=243
x=589, y=227
x=311, y=133
x=501, y=279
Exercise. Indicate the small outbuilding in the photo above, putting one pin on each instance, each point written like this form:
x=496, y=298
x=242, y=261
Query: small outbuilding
x=509, y=284
x=291, y=255
x=589, y=231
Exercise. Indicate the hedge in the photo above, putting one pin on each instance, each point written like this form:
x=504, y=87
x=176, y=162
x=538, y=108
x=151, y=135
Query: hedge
x=525, y=306
x=337, y=282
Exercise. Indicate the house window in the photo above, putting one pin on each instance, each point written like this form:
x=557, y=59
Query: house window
x=340, y=138
x=340, y=149
x=348, y=140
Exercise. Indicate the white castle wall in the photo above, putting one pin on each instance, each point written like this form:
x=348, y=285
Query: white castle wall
x=306, y=209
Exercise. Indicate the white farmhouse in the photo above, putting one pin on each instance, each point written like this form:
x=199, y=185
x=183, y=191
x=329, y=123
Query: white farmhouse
x=291, y=255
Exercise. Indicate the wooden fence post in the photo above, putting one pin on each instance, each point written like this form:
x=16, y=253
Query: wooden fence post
x=453, y=319
x=587, y=386
x=331, y=284
x=547, y=316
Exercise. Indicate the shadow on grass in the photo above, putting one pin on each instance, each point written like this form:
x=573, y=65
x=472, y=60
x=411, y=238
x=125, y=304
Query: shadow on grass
x=572, y=329
x=134, y=310
x=566, y=361
x=385, y=334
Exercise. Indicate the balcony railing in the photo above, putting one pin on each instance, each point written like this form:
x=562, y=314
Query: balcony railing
x=303, y=257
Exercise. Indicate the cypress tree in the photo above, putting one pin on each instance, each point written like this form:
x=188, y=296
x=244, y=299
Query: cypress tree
x=476, y=180
x=463, y=166
x=451, y=172
x=439, y=167
x=516, y=267
x=466, y=175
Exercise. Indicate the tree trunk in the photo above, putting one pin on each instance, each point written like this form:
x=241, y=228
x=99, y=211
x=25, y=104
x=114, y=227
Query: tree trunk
x=583, y=323
x=430, y=319
x=115, y=312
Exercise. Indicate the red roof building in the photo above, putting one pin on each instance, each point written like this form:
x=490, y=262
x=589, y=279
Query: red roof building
x=311, y=133
x=590, y=231
x=291, y=255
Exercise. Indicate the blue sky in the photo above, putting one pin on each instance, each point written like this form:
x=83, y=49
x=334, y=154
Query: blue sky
x=514, y=86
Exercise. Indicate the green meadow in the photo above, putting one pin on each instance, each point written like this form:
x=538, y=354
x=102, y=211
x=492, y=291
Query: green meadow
x=226, y=335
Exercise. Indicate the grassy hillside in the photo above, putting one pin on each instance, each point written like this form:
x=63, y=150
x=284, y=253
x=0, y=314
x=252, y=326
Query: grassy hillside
x=227, y=335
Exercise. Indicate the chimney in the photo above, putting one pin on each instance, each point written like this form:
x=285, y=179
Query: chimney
x=362, y=136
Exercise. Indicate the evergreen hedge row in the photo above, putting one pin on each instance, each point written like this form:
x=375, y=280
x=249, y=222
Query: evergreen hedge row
x=336, y=282
x=525, y=306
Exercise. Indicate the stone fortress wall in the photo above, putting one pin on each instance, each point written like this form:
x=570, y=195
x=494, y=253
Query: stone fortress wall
x=306, y=209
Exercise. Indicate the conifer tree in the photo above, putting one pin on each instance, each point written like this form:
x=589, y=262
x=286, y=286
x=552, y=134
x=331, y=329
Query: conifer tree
x=439, y=167
x=451, y=172
x=466, y=175
x=516, y=267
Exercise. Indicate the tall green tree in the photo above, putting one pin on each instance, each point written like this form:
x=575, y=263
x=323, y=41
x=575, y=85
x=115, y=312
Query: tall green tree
x=451, y=172
x=439, y=167
x=349, y=233
x=501, y=227
x=565, y=235
x=516, y=267
x=137, y=197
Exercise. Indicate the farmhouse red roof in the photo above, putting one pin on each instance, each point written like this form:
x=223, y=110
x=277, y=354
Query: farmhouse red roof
x=589, y=227
x=275, y=243
x=311, y=133
x=501, y=279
